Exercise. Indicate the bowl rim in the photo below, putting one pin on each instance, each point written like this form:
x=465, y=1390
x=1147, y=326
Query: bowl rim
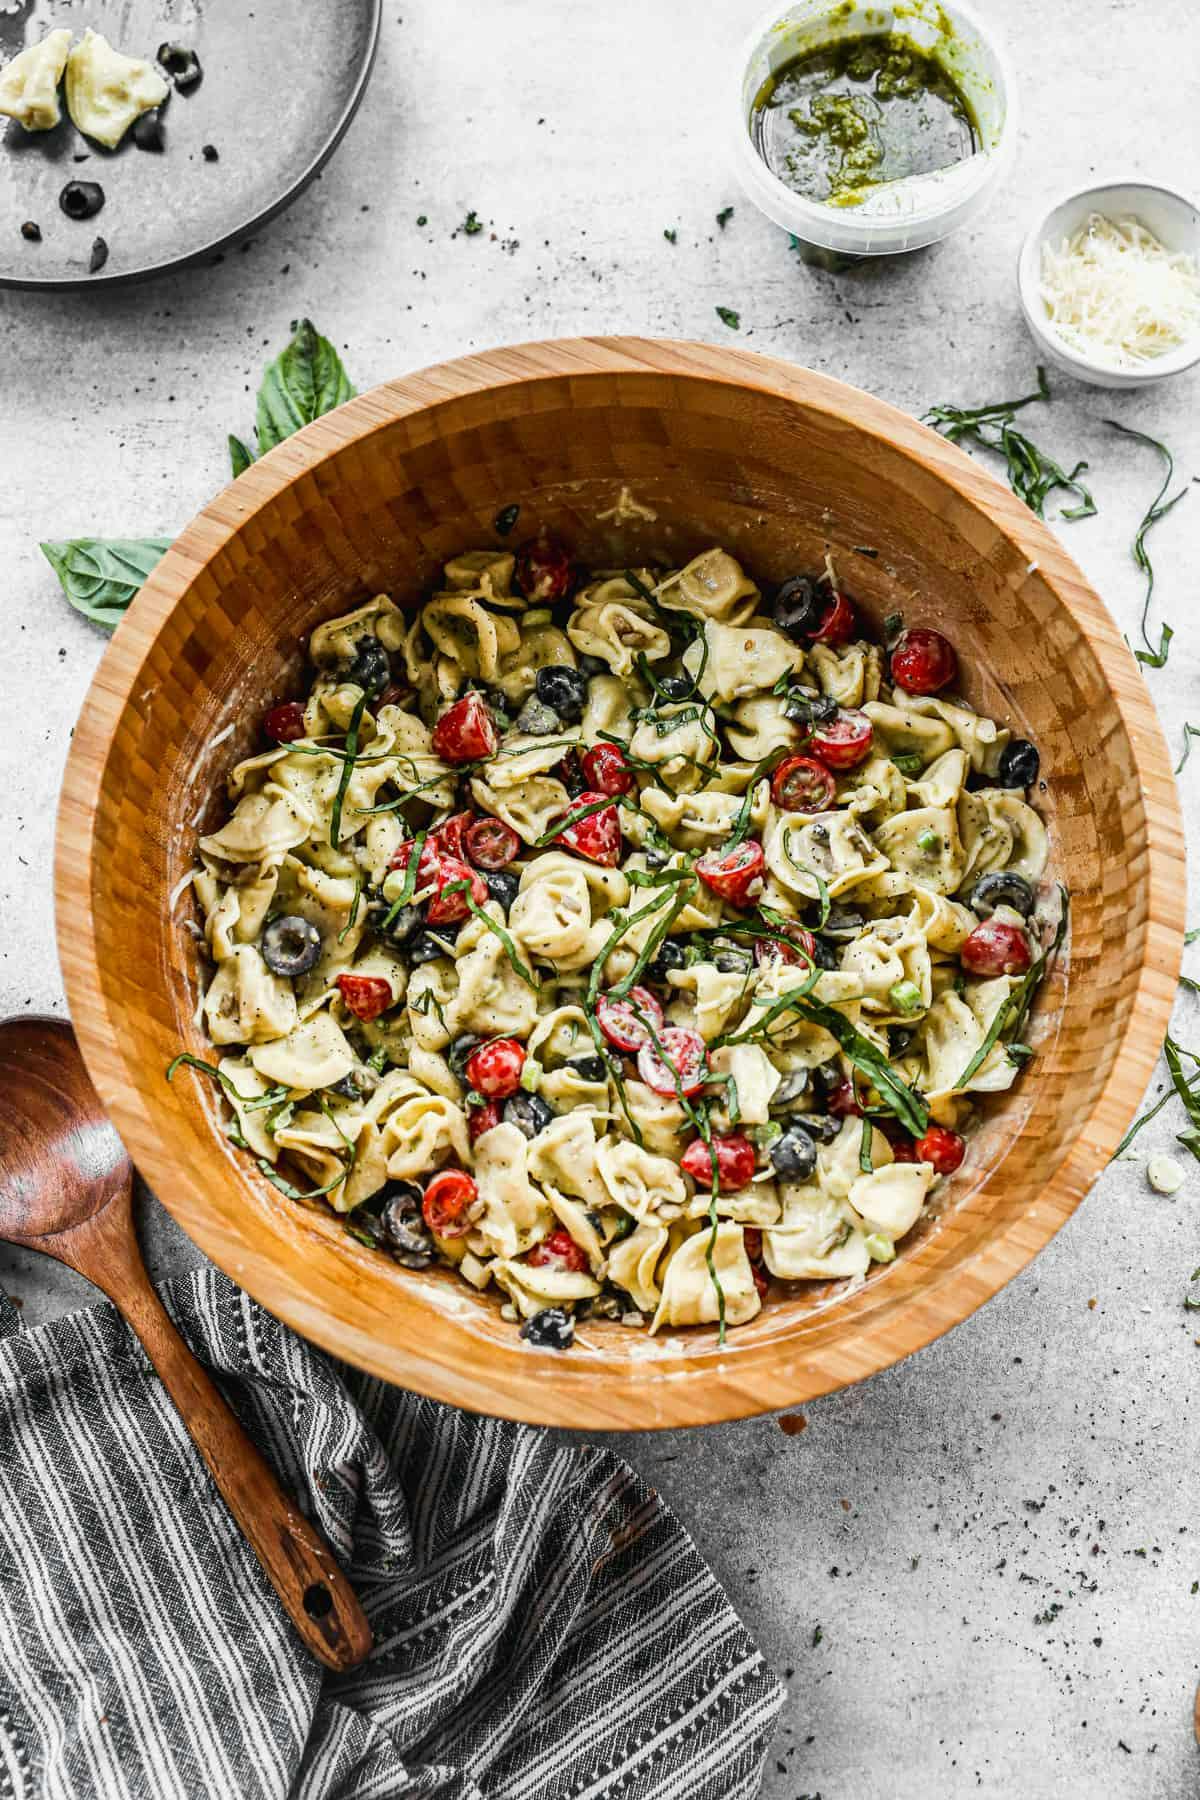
x=711, y=1385
x=1068, y=358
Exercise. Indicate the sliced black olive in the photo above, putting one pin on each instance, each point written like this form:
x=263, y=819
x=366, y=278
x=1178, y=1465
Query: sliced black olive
x=400, y=927
x=899, y=1038
x=824, y=955
x=793, y=1090
x=1002, y=887
x=821, y=1126
x=732, y=959
x=182, y=65
x=429, y=944
x=1019, y=764
x=290, y=945
x=357, y=1083
x=841, y=919
x=592, y=665
x=670, y=956
x=31, y=232
x=551, y=1329
x=656, y=859
x=148, y=132
x=563, y=689
x=502, y=886
x=81, y=199
x=460, y=1049
x=798, y=606
x=404, y=1227
x=676, y=687
x=370, y=669
x=538, y=719
x=793, y=1154
x=528, y=1112
x=588, y=1068
x=99, y=256
x=827, y=1078
x=810, y=709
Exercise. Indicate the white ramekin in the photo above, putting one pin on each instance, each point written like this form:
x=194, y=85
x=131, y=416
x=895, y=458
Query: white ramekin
x=1175, y=221
x=899, y=215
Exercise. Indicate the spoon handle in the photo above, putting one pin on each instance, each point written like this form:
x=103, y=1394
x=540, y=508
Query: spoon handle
x=295, y=1559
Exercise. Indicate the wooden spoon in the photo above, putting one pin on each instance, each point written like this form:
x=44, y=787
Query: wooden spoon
x=66, y=1189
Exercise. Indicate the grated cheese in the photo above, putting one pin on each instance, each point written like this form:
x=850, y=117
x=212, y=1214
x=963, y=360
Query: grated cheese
x=1114, y=292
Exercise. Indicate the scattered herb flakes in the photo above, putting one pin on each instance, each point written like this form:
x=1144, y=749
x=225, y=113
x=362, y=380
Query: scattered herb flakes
x=728, y=317
x=99, y=256
x=422, y=219
x=724, y=216
x=1032, y=475
x=1158, y=509
x=1192, y=1301
x=817, y=1635
x=1051, y=1613
x=671, y=235
x=471, y=225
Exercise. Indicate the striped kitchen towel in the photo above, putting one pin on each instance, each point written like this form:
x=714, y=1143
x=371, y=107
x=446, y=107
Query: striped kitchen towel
x=544, y=1629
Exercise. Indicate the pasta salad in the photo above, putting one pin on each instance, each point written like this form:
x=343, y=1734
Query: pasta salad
x=626, y=939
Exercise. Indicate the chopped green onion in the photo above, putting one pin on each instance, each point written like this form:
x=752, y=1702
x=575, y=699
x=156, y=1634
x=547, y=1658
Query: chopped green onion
x=905, y=997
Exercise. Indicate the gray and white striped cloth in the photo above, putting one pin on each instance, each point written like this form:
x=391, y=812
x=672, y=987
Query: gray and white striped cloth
x=544, y=1629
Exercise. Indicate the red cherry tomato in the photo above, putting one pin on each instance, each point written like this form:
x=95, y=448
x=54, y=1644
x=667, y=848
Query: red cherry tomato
x=598, y=836
x=923, y=661
x=624, y=1022
x=559, y=1251
x=844, y=740
x=842, y=1101
x=802, y=784
x=752, y=1240
x=903, y=1149
x=736, y=875
x=762, y=1280
x=439, y=870
x=449, y=834
x=366, y=996
x=685, y=1068
x=838, y=623
x=490, y=843
x=736, y=1162
x=494, y=1070
x=768, y=951
x=606, y=770
x=482, y=1118
x=996, y=948
x=447, y=1202
x=944, y=1149
x=466, y=731
x=285, y=723
x=569, y=770
x=543, y=570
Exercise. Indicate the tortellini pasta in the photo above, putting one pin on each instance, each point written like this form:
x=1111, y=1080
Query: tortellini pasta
x=521, y=953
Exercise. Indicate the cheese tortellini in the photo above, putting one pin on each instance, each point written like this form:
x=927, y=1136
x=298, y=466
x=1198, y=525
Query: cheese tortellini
x=618, y=947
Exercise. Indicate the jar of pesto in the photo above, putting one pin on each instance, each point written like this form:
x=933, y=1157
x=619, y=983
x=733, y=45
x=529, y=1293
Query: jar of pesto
x=869, y=131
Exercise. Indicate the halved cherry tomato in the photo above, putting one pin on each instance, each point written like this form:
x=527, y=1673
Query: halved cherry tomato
x=366, y=996
x=752, y=1240
x=996, y=948
x=838, y=623
x=596, y=836
x=559, y=1251
x=844, y=740
x=494, y=1070
x=606, y=770
x=944, y=1149
x=447, y=1202
x=482, y=1118
x=683, y=1067
x=768, y=951
x=490, y=843
x=802, y=784
x=624, y=1022
x=569, y=770
x=737, y=874
x=543, y=570
x=842, y=1102
x=923, y=661
x=285, y=723
x=439, y=870
x=903, y=1149
x=466, y=731
x=736, y=1162
x=449, y=834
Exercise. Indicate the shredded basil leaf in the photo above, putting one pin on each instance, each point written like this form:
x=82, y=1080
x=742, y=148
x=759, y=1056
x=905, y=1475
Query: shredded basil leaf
x=1158, y=509
x=348, y=762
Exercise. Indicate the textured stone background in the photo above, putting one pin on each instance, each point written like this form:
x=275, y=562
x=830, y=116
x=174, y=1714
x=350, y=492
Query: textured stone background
x=1044, y=1455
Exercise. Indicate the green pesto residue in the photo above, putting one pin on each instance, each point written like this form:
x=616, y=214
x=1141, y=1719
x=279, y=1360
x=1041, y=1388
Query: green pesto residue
x=847, y=117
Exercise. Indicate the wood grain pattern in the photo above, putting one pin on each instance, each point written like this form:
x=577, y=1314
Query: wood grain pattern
x=727, y=447
x=66, y=1189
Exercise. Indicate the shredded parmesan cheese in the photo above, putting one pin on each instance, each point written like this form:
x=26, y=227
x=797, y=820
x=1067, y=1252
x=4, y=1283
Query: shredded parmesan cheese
x=1115, y=293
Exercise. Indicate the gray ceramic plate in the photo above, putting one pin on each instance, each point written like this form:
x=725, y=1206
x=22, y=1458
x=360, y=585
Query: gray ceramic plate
x=282, y=80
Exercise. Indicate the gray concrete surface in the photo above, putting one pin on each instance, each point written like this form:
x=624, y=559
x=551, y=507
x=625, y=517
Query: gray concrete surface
x=999, y=1541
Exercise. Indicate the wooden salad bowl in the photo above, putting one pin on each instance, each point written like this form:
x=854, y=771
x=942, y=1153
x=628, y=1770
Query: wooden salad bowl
x=723, y=447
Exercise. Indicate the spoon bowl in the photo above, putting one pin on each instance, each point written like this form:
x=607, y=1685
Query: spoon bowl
x=61, y=1161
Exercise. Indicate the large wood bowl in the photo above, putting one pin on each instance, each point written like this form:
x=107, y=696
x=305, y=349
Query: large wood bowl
x=725, y=447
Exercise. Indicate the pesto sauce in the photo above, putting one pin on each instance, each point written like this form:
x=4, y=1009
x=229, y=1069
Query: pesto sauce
x=846, y=117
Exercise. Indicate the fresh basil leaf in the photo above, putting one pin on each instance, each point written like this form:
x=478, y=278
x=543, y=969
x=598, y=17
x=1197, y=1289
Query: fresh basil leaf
x=305, y=380
x=240, y=457
x=100, y=576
